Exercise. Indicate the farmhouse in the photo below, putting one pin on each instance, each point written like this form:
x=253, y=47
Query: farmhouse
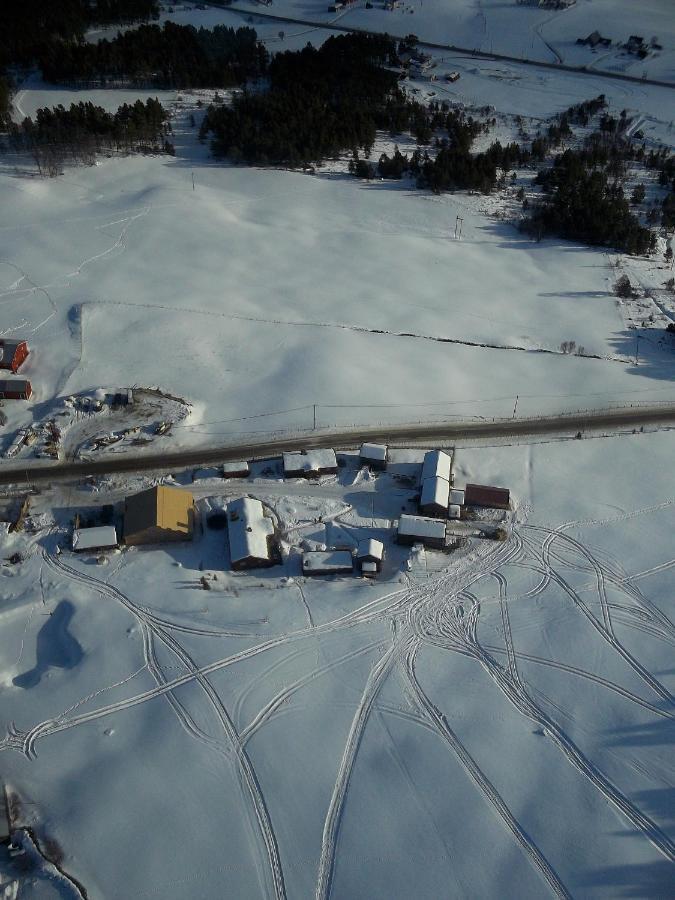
x=12, y=354
x=15, y=389
x=435, y=497
x=437, y=464
x=327, y=562
x=237, y=469
x=310, y=463
x=102, y=537
x=421, y=530
x=250, y=534
x=369, y=556
x=374, y=455
x=158, y=514
x=486, y=495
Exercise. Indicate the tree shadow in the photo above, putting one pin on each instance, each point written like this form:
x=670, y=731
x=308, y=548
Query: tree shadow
x=651, y=350
x=56, y=647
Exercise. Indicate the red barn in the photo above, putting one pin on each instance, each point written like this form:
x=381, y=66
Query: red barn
x=486, y=495
x=16, y=389
x=12, y=354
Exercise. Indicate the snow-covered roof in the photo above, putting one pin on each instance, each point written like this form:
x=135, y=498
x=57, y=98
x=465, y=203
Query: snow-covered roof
x=316, y=562
x=436, y=491
x=457, y=496
x=370, y=547
x=248, y=529
x=454, y=511
x=377, y=452
x=421, y=526
x=94, y=538
x=369, y=568
x=233, y=467
x=437, y=464
x=317, y=460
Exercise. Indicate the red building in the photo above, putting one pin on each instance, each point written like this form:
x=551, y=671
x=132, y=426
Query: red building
x=12, y=354
x=486, y=495
x=16, y=389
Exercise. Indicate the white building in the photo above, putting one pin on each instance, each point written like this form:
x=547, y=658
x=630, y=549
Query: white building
x=236, y=469
x=327, y=562
x=454, y=511
x=457, y=496
x=374, y=455
x=102, y=537
x=250, y=533
x=435, y=497
x=369, y=555
x=310, y=463
x=419, y=529
x=437, y=464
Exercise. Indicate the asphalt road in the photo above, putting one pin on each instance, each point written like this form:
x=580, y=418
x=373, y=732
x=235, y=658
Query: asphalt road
x=35, y=473
x=468, y=51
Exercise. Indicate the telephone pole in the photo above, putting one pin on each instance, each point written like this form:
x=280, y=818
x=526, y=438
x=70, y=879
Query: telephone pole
x=458, y=227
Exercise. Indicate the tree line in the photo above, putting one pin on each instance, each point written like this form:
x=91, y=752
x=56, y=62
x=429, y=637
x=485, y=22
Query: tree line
x=59, y=135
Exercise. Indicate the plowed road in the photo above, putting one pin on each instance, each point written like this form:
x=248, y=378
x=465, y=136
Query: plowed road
x=34, y=472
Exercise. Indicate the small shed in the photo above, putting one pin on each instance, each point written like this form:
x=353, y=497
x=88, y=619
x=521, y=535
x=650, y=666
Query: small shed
x=310, y=463
x=452, y=76
x=437, y=464
x=421, y=530
x=236, y=469
x=102, y=537
x=250, y=534
x=374, y=455
x=327, y=562
x=457, y=496
x=369, y=555
x=486, y=495
x=454, y=511
x=12, y=354
x=15, y=389
x=435, y=497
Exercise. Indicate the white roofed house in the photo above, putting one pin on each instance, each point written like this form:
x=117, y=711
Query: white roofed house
x=327, y=562
x=435, y=497
x=369, y=556
x=101, y=537
x=236, y=469
x=310, y=463
x=421, y=530
x=437, y=464
x=250, y=535
x=374, y=455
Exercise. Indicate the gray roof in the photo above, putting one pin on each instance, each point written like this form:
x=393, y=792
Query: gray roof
x=248, y=529
x=421, y=527
x=457, y=496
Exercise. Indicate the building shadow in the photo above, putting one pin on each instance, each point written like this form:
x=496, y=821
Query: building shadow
x=56, y=647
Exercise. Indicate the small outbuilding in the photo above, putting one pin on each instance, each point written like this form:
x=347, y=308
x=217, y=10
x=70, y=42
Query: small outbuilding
x=236, y=469
x=454, y=511
x=374, y=455
x=486, y=495
x=369, y=556
x=15, y=389
x=250, y=535
x=435, y=497
x=12, y=354
x=157, y=515
x=327, y=562
x=102, y=537
x=310, y=463
x=421, y=530
x=457, y=496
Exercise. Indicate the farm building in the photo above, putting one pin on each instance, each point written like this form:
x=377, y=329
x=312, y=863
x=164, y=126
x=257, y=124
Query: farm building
x=437, y=464
x=158, y=514
x=16, y=389
x=457, y=496
x=12, y=354
x=310, y=463
x=486, y=495
x=435, y=497
x=327, y=562
x=237, y=469
x=374, y=455
x=454, y=511
x=102, y=537
x=420, y=530
x=250, y=534
x=593, y=39
x=369, y=556
x=452, y=76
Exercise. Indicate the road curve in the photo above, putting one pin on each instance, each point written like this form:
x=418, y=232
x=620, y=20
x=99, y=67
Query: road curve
x=469, y=51
x=34, y=473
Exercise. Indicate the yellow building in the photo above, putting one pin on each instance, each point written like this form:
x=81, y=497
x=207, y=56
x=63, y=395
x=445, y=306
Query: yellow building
x=157, y=515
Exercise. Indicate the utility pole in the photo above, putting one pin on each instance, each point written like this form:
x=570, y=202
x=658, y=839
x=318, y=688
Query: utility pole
x=637, y=349
x=193, y=181
x=458, y=228
x=515, y=406
x=314, y=416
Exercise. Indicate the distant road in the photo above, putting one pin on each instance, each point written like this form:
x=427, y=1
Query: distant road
x=469, y=51
x=630, y=417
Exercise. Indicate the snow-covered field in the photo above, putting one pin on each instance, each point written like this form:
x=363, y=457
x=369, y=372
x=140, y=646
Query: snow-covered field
x=493, y=723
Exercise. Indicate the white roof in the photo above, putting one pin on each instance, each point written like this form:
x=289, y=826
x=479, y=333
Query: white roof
x=454, y=511
x=370, y=547
x=237, y=466
x=437, y=464
x=317, y=561
x=421, y=527
x=248, y=529
x=457, y=496
x=369, y=567
x=311, y=461
x=374, y=451
x=435, y=490
x=93, y=538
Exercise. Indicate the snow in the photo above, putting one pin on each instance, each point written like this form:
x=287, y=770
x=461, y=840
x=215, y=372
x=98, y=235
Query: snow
x=325, y=562
x=94, y=537
x=421, y=527
x=248, y=530
x=436, y=491
x=437, y=464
